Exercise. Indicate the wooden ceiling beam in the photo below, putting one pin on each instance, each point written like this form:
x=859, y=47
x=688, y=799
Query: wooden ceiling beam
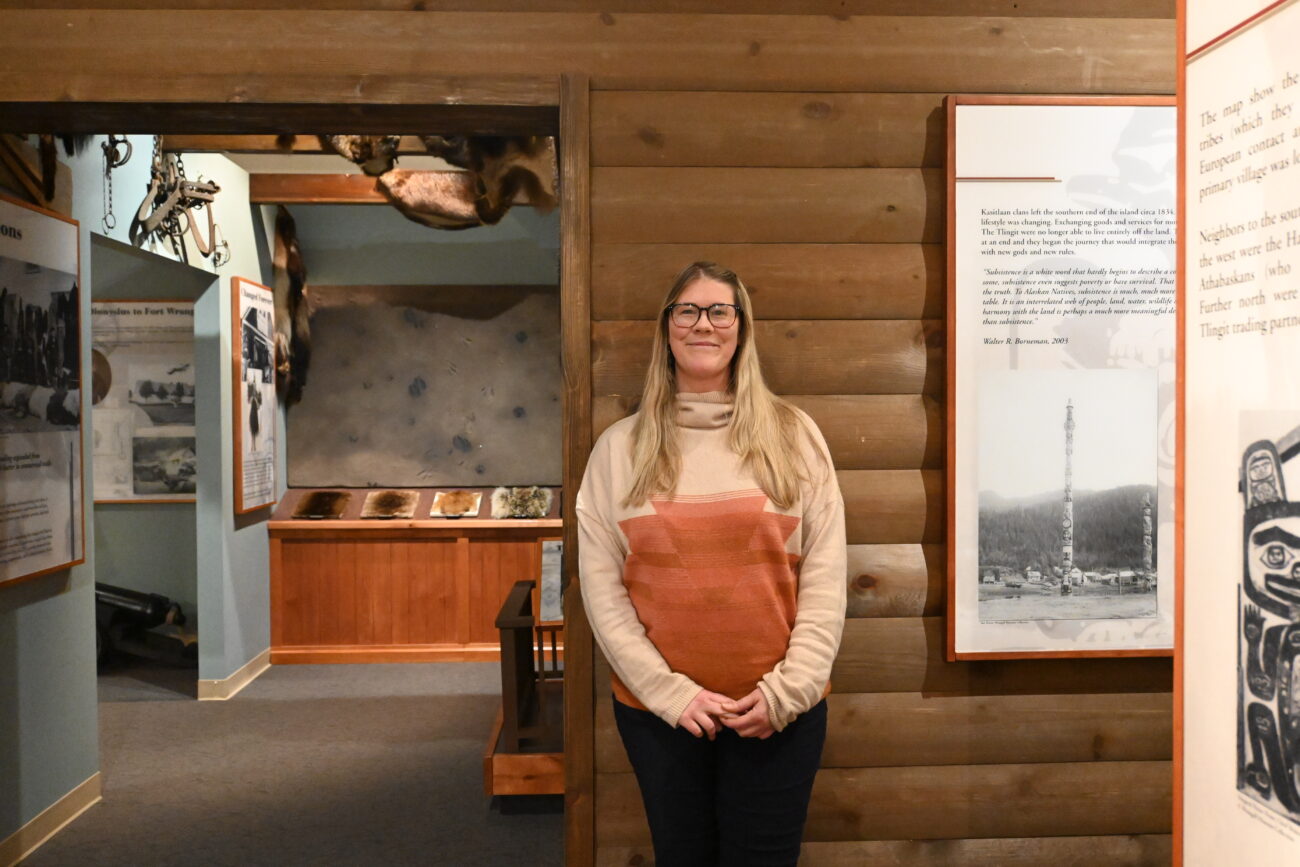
x=267, y=144
x=265, y=188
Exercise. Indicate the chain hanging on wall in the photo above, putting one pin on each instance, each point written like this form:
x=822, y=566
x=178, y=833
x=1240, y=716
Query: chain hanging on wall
x=168, y=210
x=117, y=150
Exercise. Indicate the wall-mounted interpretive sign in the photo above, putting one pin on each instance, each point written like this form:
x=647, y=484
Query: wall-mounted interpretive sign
x=1239, y=683
x=142, y=392
x=1061, y=378
x=254, y=398
x=41, y=500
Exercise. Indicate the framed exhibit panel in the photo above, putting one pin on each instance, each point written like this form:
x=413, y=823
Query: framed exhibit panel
x=42, y=527
x=1237, y=684
x=142, y=394
x=1061, y=376
x=254, y=400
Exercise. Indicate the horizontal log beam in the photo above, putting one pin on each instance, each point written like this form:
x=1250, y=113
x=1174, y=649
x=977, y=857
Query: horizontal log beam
x=949, y=801
x=268, y=144
x=785, y=281
x=89, y=56
x=897, y=580
x=812, y=130
x=764, y=206
x=893, y=729
x=799, y=357
x=863, y=431
x=1029, y=8
x=906, y=654
x=893, y=506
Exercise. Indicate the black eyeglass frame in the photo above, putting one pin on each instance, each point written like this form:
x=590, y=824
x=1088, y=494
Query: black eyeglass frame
x=699, y=311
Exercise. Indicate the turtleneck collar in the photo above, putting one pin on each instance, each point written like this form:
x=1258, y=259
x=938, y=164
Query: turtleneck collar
x=704, y=410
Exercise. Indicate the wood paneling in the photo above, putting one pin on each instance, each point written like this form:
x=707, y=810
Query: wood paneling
x=1129, y=850
x=813, y=130
x=891, y=729
x=799, y=357
x=785, y=281
x=88, y=56
x=949, y=801
x=1039, y=8
x=404, y=594
x=892, y=506
x=896, y=580
x=728, y=206
x=863, y=431
x=906, y=654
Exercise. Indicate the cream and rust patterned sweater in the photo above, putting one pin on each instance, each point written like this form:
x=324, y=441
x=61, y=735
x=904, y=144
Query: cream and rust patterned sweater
x=713, y=586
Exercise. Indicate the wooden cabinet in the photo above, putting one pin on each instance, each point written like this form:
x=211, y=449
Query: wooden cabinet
x=396, y=591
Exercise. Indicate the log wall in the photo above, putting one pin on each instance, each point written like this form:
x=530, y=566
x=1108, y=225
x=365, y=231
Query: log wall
x=799, y=142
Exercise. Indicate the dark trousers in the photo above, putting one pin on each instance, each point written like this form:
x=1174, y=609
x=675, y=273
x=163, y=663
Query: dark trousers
x=733, y=801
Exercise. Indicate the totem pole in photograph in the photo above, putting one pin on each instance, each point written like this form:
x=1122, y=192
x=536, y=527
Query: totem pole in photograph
x=1067, y=515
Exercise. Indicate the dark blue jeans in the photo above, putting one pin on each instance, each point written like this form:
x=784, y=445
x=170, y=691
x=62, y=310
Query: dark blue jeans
x=733, y=801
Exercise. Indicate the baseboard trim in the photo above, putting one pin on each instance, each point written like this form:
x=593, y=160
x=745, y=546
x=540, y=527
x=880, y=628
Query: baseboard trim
x=51, y=821
x=317, y=654
x=229, y=687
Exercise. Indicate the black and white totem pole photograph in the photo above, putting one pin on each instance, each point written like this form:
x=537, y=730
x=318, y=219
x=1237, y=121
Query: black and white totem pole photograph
x=1067, y=481
x=1268, y=619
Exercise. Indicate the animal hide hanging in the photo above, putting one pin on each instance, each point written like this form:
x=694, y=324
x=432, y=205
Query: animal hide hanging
x=439, y=200
x=504, y=167
x=375, y=154
x=292, y=315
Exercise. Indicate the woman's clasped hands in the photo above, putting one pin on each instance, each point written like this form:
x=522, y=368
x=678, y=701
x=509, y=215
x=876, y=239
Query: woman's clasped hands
x=709, y=711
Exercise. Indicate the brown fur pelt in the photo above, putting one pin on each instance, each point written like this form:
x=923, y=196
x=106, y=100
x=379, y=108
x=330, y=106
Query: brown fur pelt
x=292, y=322
x=503, y=167
x=375, y=154
x=440, y=200
x=390, y=504
x=322, y=504
x=457, y=502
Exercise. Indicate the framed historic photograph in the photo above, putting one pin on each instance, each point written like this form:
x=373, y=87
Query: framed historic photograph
x=142, y=394
x=1061, y=376
x=41, y=497
x=254, y=399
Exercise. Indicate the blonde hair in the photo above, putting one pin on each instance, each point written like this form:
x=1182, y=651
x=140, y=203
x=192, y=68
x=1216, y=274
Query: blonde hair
x=764, y=428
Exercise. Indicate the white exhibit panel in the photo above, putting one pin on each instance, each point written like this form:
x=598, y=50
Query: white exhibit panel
x=142, y=376
x=1062, y=379
x=1241, y=595
x=41, y=510
x=254, y=398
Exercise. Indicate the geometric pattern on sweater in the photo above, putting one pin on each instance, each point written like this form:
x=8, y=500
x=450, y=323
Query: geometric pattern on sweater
x=715, y=586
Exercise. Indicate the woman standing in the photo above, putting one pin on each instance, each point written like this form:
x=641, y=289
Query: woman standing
x=712, y=565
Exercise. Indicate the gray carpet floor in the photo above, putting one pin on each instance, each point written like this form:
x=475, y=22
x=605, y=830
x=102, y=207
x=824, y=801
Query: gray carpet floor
x=329, y=764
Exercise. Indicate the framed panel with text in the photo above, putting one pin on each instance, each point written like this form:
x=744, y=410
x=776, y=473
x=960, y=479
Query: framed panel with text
x=42, y=506
x=142, y=393
x=1061, y=376
x=254, y=400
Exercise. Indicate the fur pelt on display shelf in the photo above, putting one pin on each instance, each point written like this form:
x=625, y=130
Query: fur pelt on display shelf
x=322, y=504
x=390, y=504
x=454, y=504
x=529, y=502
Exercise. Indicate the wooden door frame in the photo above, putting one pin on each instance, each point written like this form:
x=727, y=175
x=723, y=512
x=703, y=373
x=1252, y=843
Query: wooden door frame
x=360, y=104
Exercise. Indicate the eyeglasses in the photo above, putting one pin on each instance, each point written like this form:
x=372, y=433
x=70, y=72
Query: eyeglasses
x=685, y=314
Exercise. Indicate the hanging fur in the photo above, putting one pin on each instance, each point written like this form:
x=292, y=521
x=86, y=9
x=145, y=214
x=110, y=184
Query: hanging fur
x=440, y=200
x=292, y=319
x=375, y=154
x=503, y=168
